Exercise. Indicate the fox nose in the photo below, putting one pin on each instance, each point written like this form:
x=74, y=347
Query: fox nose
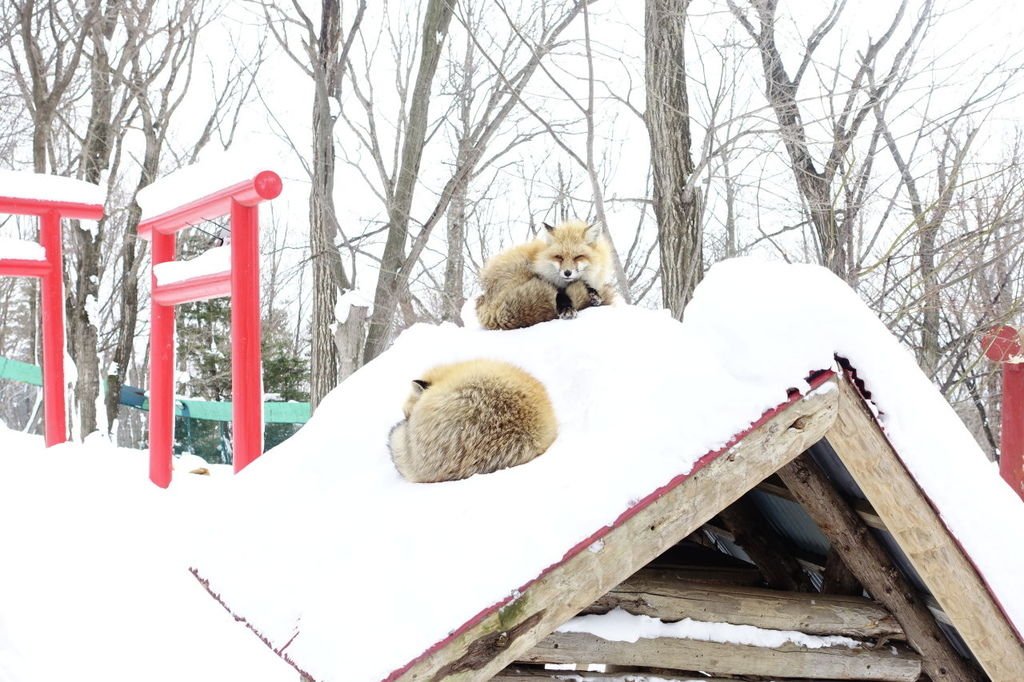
x=567, y=273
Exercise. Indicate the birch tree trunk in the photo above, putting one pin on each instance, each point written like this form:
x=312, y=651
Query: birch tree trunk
x=676, y=204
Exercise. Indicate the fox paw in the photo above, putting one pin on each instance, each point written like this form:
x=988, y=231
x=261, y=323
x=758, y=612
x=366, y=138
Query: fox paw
x=564, y=306
x=593, y=297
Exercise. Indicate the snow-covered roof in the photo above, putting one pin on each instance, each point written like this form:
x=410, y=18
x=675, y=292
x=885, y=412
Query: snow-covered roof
x=337, y=549
x=53, y=188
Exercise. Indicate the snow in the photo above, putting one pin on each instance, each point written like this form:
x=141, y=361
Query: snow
x=213, y=261
x=42, y=187
x=354, y=297
x=93, y=583
x=333, y=548
x=215, y=170
x=21, y=249
x=620, y=626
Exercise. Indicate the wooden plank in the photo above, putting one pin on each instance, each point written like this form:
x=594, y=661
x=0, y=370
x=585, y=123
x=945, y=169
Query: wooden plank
x=481, y=650
x=648, y=593
x=920, y=533
x=789, y=660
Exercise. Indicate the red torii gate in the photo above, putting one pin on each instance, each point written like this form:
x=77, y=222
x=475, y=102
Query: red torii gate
x=242, y=283
x=51, y=272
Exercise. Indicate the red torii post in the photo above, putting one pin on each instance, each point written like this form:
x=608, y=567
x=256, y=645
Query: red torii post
x=51, y=274
x=1003, y=345
x=242, y=283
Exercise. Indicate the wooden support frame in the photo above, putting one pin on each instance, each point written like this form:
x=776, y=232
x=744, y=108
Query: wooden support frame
x=499, y=637
x=935, y=554
x=872, y=565
x=788, y=660
x=522, y=674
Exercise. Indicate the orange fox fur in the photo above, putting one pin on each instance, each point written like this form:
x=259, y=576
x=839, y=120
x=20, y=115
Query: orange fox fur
x=471, y=418
x=522, y=284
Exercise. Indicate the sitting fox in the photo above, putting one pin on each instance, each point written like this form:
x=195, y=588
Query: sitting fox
x=566, y=271
x=471, y=418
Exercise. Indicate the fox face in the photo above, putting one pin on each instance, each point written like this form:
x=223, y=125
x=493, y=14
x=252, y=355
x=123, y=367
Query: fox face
x=569, y=253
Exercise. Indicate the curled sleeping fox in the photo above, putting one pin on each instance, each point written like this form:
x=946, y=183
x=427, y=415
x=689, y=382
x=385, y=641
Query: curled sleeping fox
x=470, y=418
x=567, y=270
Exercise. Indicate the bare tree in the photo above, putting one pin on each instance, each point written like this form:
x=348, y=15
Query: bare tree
x=816, y=180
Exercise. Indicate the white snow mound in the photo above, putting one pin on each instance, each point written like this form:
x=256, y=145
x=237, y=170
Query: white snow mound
x=358, y=571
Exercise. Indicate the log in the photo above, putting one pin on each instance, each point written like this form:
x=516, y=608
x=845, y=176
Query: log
x=789, y=660
x=484, y=648
x=648, y=593
x=517, y=674
x=930, y=548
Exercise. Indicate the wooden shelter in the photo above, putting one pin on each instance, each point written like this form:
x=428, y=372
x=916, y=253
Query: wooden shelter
x=807, y=522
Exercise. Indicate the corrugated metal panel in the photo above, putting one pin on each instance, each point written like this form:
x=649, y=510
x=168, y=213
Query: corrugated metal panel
x=789, y=520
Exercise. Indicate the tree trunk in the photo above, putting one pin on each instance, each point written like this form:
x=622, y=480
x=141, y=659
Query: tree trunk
x=130, y=265
x=676, y=204
x=328, y=271
x=454, y=286
x=349, y=339
x=83, y=313
x=436, y=18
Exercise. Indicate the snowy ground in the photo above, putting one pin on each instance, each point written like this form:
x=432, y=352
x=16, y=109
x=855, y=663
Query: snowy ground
x=322, y=546
x=93, y=583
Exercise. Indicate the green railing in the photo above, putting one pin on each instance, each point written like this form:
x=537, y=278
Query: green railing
x=273, y=412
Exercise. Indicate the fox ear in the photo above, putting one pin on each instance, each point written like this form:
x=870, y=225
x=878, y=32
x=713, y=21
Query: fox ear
x=419, y=385
x=549, y=232
x=592, y=232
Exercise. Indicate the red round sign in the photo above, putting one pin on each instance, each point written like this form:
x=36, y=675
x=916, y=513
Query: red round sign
x=1001, y=343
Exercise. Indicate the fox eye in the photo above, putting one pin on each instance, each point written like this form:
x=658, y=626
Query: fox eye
x=558, y=258
x=577, y=257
